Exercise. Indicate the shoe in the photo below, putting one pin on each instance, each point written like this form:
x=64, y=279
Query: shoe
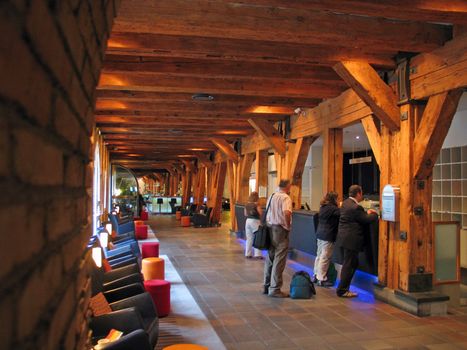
x=266, y=290
x=324, y=284
x=248, y=257
x=259, y=257
x=278, y=294
x=349, y=294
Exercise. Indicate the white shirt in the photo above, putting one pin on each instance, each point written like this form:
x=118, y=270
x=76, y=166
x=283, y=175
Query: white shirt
x=280, y=203
x=352, y=198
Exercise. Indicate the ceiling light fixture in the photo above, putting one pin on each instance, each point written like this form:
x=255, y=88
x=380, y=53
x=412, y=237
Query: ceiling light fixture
x=202, y=97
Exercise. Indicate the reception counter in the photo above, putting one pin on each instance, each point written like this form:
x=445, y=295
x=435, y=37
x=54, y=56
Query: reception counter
x=303, y=239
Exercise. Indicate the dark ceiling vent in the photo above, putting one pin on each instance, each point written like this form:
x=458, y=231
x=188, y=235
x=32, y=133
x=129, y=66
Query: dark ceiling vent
x=175, y=131
x=202, y=97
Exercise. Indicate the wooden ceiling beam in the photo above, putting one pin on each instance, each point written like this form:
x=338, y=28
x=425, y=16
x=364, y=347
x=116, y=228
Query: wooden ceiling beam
x=225, y=148
x=368, y=85
x=454, y=11
x=242, y=50
x=223, y=99
x=216, y=68
x=243, y=21
x=235, y=86
x=270, y=135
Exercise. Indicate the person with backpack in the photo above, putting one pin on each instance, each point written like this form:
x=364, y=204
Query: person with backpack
x=279, y=219
x=326, y=234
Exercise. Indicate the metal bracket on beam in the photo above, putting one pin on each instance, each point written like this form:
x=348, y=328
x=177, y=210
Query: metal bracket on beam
x=404, y=116
x=403, y=81
x=418, y=211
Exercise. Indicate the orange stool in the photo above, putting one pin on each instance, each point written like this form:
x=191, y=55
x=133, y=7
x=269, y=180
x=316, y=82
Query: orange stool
x=139, y=222
x=153, y=269
x=186, y=221
x=178, y=215
x=186, y=347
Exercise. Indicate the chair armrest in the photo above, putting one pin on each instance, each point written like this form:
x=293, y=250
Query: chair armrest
x=135, y=340
x=123, y=282
x=124, y=292
x=121, y=272
x=123, y=262
x=142, y=302
x=125, y=320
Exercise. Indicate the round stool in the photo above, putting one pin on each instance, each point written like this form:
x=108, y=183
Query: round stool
x=178, y=215
x=150, y=250
x=185, y=347
x=144, y=215
x=153, y=269
x=186, y=221
x=141, y=232
x=160, y=293
x=139, y=222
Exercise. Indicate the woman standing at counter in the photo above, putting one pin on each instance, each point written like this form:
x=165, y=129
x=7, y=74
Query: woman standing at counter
x=326, y=234
x=253, y=214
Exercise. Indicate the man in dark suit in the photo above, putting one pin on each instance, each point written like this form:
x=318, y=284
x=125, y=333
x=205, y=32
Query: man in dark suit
x=351, y=237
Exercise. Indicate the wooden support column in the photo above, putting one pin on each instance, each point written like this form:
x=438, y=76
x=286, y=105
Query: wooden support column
x=243, y=179
x=261, y=171
x=232, y=176
x=333, y=161
x=200, y=186
x=298, y=157
x=216, y=191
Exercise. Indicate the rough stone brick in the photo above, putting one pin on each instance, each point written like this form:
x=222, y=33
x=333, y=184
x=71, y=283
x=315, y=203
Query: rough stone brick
x=6, y=315
x=74, y=172
x=60, y=217
x=4, y=149
x=36, y=161
x=46, y=40
x=72, y=252
x=61, y=318
x=31, y=305
x=26, y=223
x=65, y=122
x=23, y=83
x=78, y=98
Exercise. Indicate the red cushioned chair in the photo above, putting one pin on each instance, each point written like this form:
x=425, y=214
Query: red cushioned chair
x=150, y=250
x=141, y=232
x=160, y=293
x=144, y=215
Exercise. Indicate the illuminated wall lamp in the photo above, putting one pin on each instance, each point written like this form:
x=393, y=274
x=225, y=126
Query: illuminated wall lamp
x=104, y=239
x=108, y=228
x=97, y=256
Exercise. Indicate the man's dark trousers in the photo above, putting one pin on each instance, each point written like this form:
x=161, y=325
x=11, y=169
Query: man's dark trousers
x=349, y=267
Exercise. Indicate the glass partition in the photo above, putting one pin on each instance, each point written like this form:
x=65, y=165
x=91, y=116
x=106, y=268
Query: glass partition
x=124, y=190
x=446, y=251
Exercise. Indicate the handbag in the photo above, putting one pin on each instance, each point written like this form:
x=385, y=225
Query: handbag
x=262, y=237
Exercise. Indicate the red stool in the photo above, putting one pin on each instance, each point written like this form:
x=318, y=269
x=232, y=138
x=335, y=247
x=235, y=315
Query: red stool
x=138, y=222
x=150, y=250
x=186, y=221
x=141, y=232
x=160, y=293
x=144, y=215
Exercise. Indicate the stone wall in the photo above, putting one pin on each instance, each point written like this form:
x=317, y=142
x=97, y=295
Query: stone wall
x=50, y=58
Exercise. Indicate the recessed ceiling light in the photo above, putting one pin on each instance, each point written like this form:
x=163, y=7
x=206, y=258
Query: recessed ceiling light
x=357, y=137
x=202, y=97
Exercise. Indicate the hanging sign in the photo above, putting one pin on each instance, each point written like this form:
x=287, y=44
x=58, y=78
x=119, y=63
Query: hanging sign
x=390, y=203
x=360, y=160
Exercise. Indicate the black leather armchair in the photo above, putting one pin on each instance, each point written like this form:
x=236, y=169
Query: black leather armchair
x=130, y=314
x=202, y=220
x=137, y=339
x=189, y=210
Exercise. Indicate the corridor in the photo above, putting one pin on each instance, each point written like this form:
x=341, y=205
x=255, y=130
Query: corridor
x=227, y=288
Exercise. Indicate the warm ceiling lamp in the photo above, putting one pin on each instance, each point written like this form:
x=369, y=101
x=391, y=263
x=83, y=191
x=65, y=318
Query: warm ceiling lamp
x=199, y=149
x=270, y=110
x=112, y=43
x=232, y=132
x=111, y=79
x=110, y=104
x=185, y=156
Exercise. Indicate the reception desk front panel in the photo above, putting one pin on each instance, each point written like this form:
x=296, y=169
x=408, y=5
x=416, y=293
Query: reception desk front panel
x=303, y=238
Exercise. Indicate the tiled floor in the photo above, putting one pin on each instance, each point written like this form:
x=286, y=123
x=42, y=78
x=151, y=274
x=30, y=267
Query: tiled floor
x=227, y=288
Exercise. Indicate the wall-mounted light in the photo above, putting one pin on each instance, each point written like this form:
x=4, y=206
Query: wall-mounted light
x=104, y=239
x=97, y=256
x=357, y=137
x=108, y=228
